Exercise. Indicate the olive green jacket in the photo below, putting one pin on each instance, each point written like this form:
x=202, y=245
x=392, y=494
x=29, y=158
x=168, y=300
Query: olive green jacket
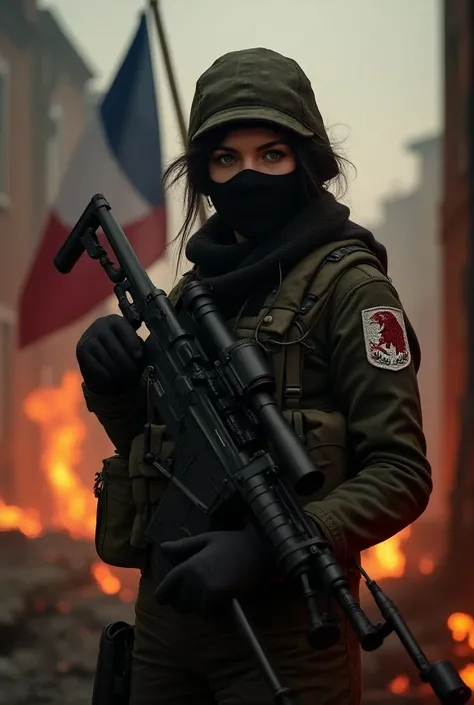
x=386, y=480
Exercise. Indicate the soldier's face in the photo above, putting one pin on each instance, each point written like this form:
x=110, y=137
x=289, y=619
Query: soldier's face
x=259, y=149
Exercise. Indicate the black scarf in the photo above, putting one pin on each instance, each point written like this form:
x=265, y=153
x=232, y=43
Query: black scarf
x=239, y=271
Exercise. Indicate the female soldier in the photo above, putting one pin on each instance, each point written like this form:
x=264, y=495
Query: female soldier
x=286, y=264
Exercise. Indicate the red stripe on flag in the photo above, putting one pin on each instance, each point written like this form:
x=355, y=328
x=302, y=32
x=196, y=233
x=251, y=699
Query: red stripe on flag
x=51, y=301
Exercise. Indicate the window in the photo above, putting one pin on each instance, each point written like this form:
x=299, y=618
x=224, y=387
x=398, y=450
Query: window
x=4, y=130
x=54, y=151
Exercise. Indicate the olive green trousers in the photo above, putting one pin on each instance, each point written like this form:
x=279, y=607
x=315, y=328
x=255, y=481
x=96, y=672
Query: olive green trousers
x=184, y=660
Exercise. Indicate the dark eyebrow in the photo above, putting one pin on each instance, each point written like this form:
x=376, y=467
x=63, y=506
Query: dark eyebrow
x=262, y=147
x=223, y=148
x=273, y=143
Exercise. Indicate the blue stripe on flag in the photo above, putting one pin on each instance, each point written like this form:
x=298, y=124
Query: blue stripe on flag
x=129, y=115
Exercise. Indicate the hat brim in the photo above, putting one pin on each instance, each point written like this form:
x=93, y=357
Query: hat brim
x=253, y=112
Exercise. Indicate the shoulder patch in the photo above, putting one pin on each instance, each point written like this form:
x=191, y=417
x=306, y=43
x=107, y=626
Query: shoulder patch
x=385, y=336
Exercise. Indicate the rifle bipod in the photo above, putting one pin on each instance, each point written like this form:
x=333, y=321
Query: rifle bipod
x=280, y=694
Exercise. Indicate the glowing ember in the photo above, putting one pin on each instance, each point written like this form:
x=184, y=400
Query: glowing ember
x=25, y=520
x=462, y=628
x=105, y=578
x=461, y=625
x=387, y=559
x=399, y=685
x=126, y=595
x=426, y=565
x=467, y=674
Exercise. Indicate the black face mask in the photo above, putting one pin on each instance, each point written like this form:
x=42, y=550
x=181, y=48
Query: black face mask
x=257, y=205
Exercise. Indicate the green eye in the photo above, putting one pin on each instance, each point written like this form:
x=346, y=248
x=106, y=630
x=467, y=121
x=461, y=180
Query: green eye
x=225, y=159
x=273, y=155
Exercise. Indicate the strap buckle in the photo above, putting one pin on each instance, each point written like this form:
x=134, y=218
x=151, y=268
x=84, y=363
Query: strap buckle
x=293, y=392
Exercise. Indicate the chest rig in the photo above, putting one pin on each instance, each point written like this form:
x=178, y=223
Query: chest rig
x=287, y=322
x=286, y=326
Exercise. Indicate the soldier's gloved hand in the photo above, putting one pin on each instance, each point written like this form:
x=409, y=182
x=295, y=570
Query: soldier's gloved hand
x=212, y=569
x=110, y=355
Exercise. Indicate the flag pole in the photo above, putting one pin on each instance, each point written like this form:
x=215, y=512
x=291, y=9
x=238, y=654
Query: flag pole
x=154, y=6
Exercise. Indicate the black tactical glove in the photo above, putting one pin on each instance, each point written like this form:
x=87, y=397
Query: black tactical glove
x=110, y=355
x=213, y=568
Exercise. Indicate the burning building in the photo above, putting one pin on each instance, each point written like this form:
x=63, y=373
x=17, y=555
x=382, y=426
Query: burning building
x=455, y=224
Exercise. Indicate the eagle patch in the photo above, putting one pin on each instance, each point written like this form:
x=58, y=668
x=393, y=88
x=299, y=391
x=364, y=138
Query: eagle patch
x=386, y=340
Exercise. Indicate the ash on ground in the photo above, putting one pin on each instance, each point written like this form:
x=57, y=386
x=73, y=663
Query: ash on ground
x=52, y=612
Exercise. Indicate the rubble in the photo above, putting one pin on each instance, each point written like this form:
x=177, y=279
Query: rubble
x=52, y=612
x=51, y=616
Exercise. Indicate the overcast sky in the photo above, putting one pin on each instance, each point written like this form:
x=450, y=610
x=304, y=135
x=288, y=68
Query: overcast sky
x=375, y=66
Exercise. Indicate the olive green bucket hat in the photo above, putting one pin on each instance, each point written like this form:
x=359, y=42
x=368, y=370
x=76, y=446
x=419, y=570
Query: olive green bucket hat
x=255, y=84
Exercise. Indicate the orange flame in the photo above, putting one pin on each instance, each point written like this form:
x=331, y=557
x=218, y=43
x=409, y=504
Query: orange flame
x=387, y=559
x=25, y=520
x=56, y=411
x=105, y=578
x=467, y=674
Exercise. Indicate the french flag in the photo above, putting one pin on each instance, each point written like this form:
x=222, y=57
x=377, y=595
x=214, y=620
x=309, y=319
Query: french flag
x=119, y=155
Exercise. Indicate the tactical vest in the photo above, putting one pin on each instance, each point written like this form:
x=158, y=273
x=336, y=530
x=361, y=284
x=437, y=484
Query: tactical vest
x=285, y=326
